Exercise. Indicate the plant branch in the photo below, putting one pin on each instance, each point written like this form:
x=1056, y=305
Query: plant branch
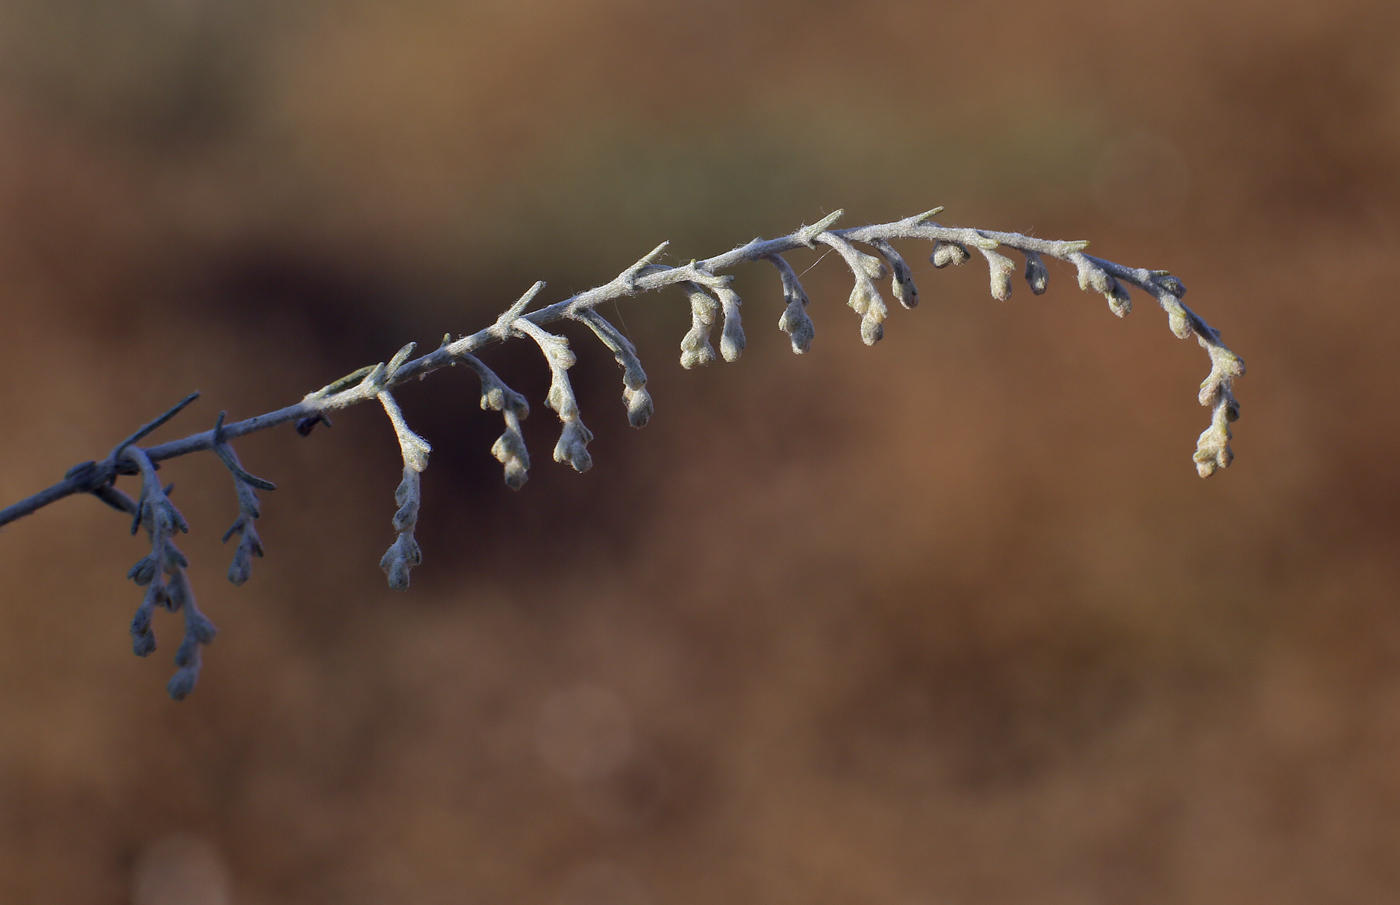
x=707, y=287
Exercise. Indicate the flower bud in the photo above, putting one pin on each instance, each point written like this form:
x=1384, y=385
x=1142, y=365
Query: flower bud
x=573, y=445
x=798, y=325
x=1091, y=276
x=695, y=345
x=639, y=406
x=731, y=340
x=510, y=451
x=1036, y=274
x=945, y=253
x=1000, y=269
x=1180, y=324
x=1118, y=300
x=183, y=682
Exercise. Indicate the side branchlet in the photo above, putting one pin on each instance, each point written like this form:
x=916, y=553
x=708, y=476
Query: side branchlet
x=162, y=574
x=1217, y=391
x=865, y=299
x=902, y=281
x=509, y=449
x=795, y=321
x=575, y=437
x=731, y=334
x=404, y=553
x=695, y=345
x=1094, y=278
x=245, y=485
x=634, y=379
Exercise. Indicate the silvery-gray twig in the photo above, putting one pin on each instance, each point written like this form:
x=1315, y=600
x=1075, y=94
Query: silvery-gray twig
x=707, y=288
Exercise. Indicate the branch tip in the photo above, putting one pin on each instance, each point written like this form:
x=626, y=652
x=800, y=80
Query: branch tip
x=501, y=329
x=398, y=360
x=146, y=429
x=808, y=234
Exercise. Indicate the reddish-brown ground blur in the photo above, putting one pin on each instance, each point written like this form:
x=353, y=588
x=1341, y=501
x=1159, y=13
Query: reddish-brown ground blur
x=950, y=621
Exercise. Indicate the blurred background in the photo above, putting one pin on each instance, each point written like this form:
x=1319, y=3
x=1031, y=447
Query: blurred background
x=947, y=622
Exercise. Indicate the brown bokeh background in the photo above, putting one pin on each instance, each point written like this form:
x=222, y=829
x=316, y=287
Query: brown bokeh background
x=949, y=621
